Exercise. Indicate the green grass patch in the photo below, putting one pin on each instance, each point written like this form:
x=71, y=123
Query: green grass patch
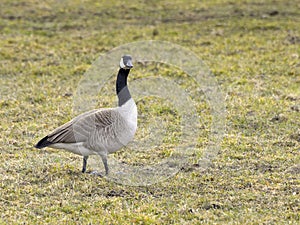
x=252, y=48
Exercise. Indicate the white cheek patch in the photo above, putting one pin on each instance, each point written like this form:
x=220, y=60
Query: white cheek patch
x=122, y=65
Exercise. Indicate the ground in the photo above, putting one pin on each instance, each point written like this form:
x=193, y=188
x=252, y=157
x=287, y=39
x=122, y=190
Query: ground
x=252, y=49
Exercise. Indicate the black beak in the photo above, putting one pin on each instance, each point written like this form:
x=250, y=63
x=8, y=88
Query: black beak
x=129, y=64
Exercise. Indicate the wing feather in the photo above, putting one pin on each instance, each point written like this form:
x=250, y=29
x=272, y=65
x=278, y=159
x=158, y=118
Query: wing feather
x=81, y=127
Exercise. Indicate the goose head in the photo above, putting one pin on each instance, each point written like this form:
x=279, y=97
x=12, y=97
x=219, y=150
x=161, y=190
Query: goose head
x=126, y=62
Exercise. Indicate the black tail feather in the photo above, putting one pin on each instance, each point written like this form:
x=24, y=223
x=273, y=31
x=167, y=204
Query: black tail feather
x=43, y=143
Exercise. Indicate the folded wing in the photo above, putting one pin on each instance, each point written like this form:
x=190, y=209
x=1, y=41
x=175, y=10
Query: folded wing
x=80, y=128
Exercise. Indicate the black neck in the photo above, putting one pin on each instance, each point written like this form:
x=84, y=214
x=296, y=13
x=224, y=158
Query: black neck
x=121, y=86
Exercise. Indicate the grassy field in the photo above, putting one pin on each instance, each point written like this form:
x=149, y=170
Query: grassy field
x=252, y=48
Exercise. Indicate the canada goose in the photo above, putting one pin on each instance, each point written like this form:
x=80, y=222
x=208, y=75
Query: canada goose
x=100, y=131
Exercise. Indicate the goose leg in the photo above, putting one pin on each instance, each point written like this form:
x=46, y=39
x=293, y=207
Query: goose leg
x=85, y=158
x=104, y=160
